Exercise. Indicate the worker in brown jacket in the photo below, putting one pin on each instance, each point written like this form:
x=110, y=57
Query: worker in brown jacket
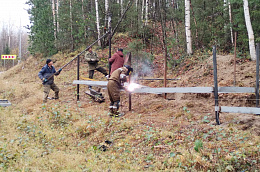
x=92, y=58
x=115, y=83
x=117, y=60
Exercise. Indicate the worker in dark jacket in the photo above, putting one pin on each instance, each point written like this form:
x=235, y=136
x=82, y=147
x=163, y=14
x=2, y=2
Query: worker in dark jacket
x=115, y=83
x=117, y=60
x=93, y=59
x=47, y=76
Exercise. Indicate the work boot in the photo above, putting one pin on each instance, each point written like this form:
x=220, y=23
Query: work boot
x=117, y=114
x=56, y=95
x=111, y=112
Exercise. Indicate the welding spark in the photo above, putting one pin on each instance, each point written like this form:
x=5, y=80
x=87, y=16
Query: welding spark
x=132, y=86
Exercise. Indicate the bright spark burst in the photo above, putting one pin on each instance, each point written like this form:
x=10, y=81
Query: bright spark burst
x=132, y=86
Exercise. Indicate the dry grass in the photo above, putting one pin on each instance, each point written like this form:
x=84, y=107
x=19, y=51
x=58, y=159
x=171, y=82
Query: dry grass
x=159, y=134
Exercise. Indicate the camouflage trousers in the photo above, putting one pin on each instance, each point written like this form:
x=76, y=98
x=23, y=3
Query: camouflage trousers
x=46, y=91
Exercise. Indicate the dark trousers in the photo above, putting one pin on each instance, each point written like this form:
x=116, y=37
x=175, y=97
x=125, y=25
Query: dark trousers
x=100, y=69
x=46, y=91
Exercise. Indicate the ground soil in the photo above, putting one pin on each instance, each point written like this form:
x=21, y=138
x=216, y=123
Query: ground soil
x=157, y=111
x=153, y=109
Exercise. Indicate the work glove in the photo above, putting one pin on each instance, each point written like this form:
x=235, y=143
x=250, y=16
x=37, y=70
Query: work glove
x=44, y=80
x=60, y=70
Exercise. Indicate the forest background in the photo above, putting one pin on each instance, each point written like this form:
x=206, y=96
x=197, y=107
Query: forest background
x=186, y=26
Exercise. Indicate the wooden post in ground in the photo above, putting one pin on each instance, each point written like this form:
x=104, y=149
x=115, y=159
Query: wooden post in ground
x=215, y=85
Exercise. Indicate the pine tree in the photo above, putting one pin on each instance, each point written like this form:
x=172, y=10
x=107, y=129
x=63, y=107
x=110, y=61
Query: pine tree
x=42, y=30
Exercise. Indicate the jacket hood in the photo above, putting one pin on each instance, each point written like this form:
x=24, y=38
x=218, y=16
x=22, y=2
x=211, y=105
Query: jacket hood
x=120, y=53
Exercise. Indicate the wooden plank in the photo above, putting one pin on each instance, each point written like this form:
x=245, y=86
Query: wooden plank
x=174, y=90
x=5, y=103
x=250, y=110
x=236, y=90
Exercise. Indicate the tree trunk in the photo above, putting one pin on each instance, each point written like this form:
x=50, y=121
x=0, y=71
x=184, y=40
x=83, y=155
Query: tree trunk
x=196, y=30
x=57, y=15
x=122, y=7
x=97, y=20
x=71, y=28
x=187, y=27
x=146, y=12
x=249, y=31
x=142, y=14
x=54, y=19
x=84, y=18
x=106, y=8
x=106, y=21
x=230, y=20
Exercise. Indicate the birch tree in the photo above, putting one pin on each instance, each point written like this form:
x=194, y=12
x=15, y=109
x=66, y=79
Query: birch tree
x=97, y=21
x=57, y=14
x=249, y=31
x=146, y=11
x=187, y=27
x=142, y=14
x=230, y=21
x=54, y=18
x=122, y=7
x=84, y=18
x=71, y=28
x=107, y=11
x=227, y=12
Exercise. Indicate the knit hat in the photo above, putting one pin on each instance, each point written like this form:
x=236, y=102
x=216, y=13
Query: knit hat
x=129, y=69
x=48, y=61
x=120, y=49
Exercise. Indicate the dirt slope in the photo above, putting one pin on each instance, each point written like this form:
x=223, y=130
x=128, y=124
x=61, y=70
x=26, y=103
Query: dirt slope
x=158, y=134
x=155, y=109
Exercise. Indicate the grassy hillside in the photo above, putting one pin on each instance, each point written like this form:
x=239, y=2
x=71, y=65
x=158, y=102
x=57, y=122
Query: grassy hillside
x=173, y=134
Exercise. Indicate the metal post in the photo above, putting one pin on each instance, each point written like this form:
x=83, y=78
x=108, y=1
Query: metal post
x=109, y=41
x=78, y=79
x=130, y=95
x=235, y=54
x=257, y=76
x=215, y=84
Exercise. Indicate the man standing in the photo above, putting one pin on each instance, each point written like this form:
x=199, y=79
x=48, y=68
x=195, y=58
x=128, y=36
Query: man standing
x=117, y=60
x=47, y=76
x=115, y=83
x=93, y=59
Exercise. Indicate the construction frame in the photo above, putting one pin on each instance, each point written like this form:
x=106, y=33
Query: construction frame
x=216, y=90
